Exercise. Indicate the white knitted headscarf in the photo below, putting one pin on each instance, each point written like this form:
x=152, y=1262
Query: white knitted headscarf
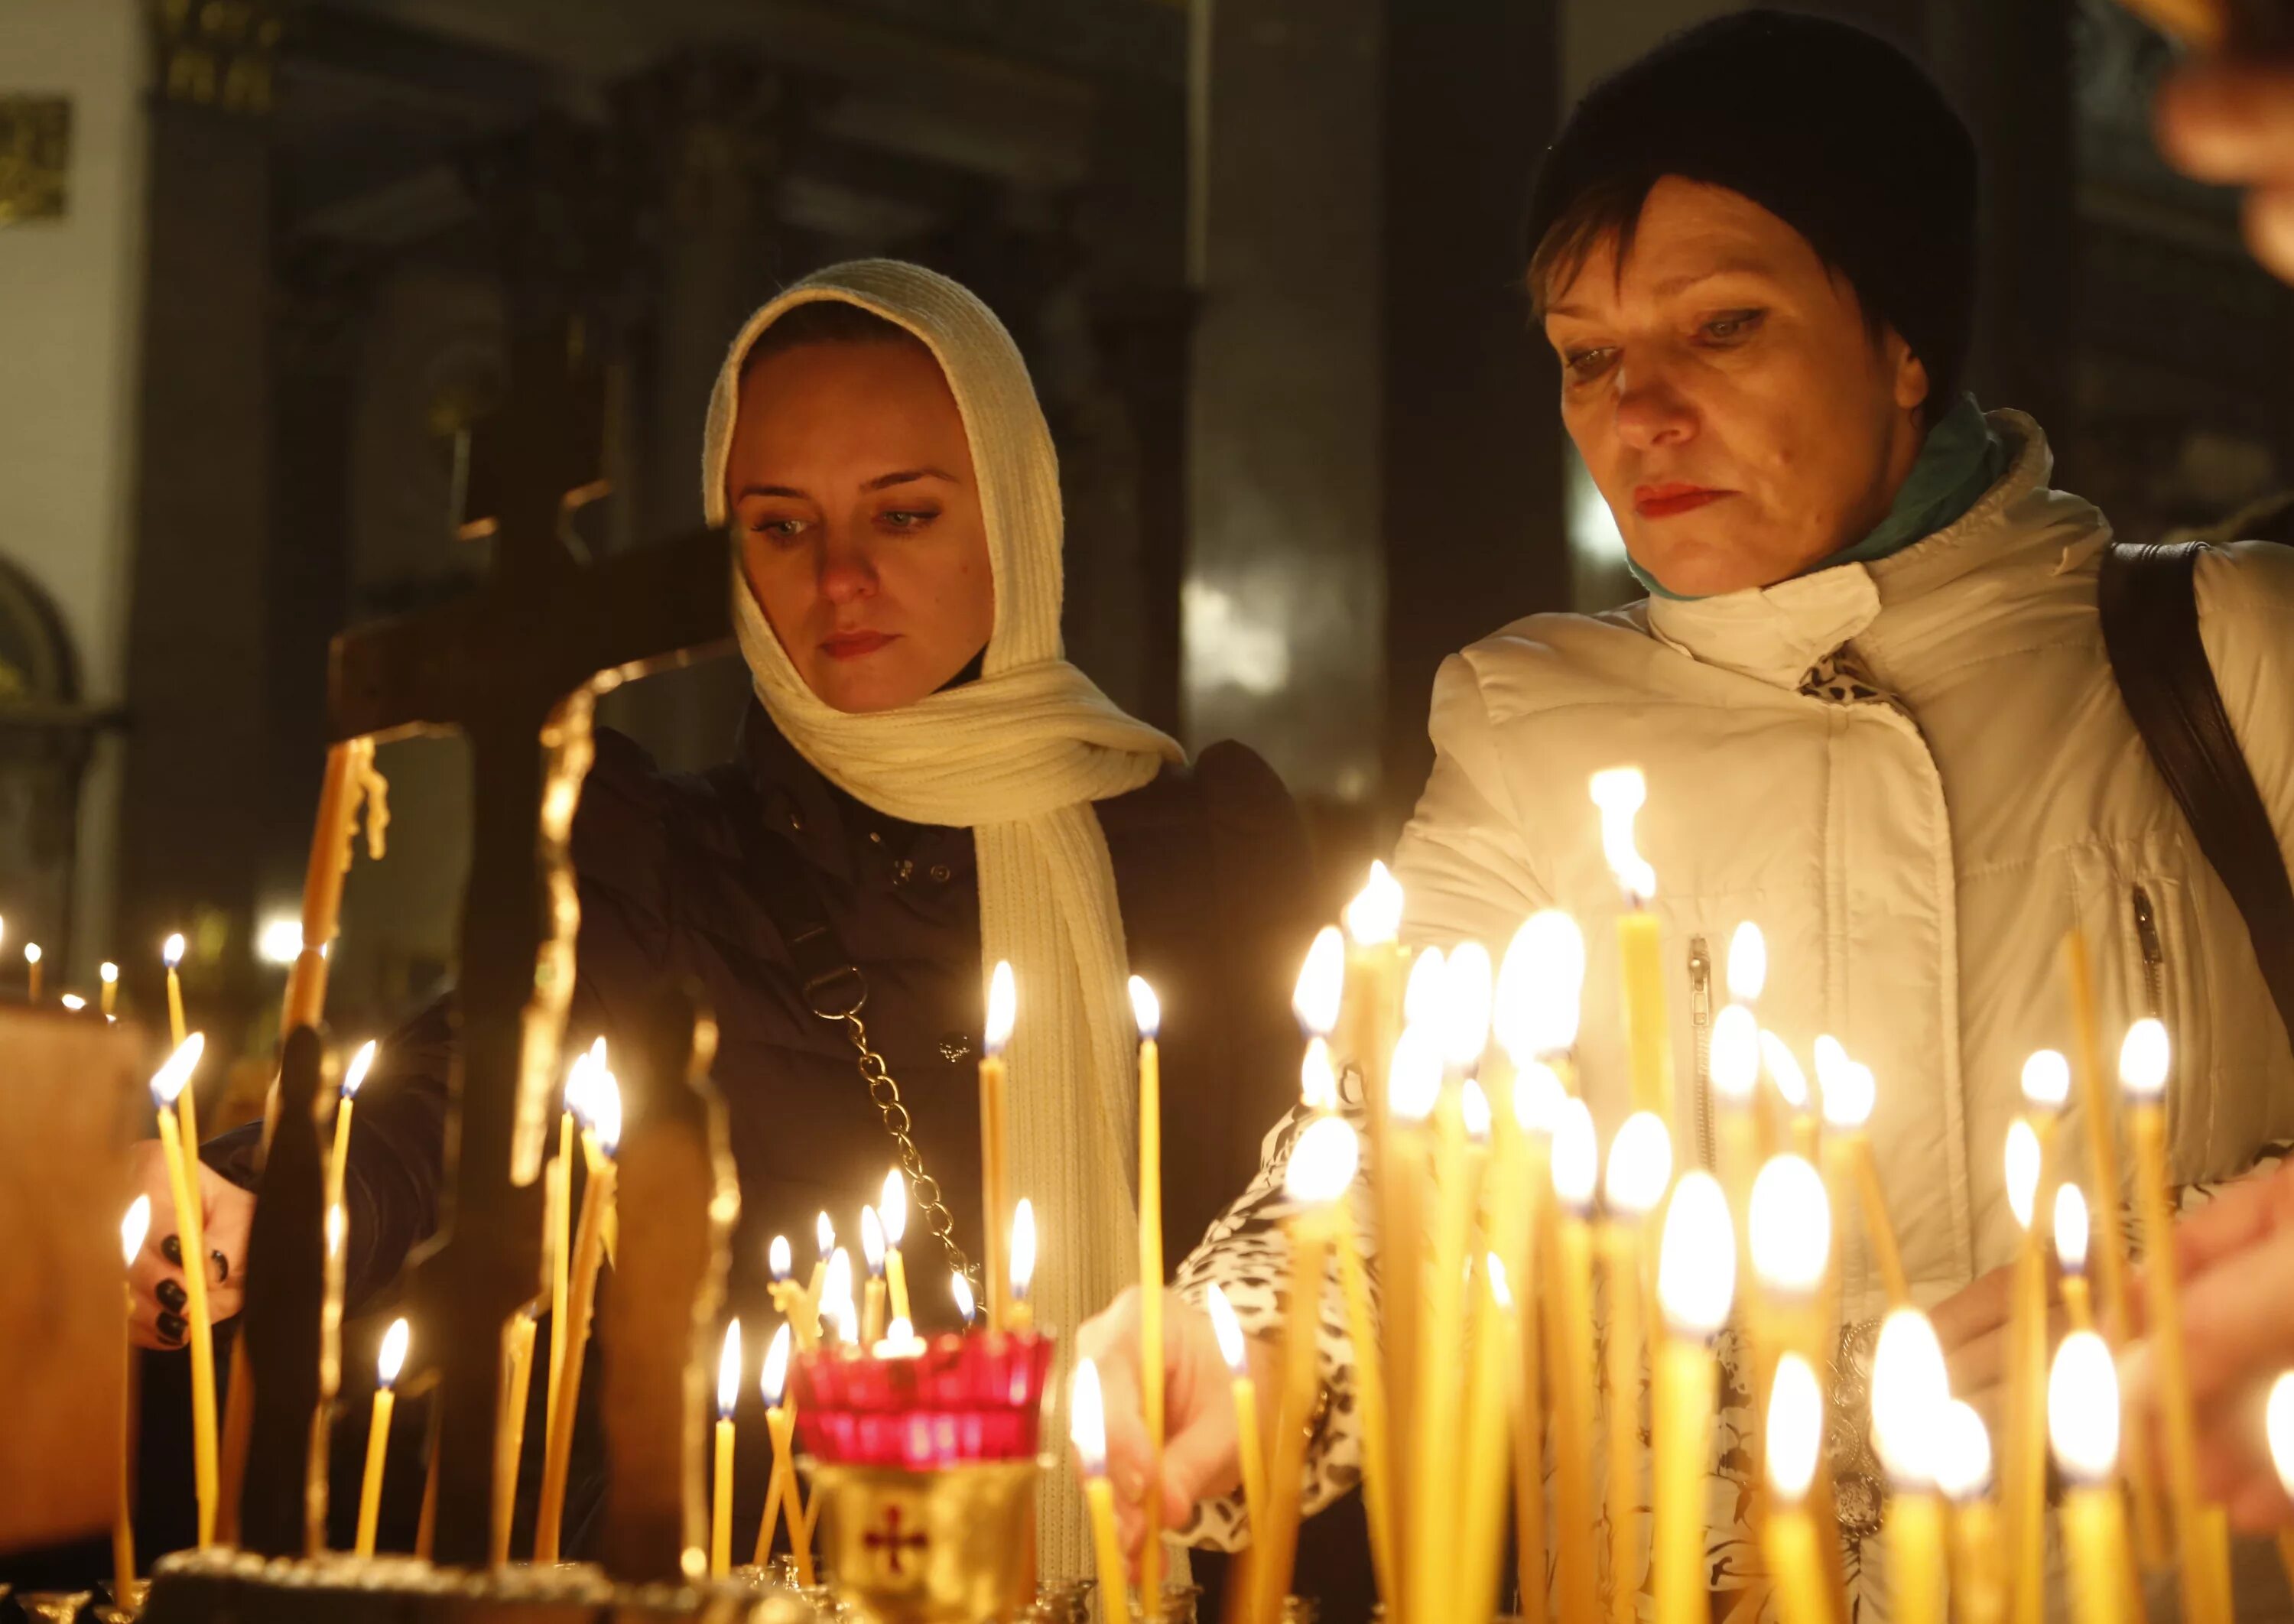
x=1017, y=757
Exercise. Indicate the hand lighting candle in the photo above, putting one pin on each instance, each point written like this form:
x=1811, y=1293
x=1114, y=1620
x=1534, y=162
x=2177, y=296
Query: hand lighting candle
x=1640, y=1166
x=1791, y=1540
x=2083, y=1424
x=1567, y=1304
x=171, y=955
x=1322, y=1164
x=179, y=1150
x=1087, y=1429
x=1147, y=1013
x=126, y=1593
x=1695, y=1280
x=892, y=1208
x=377, y=1432
x=1248, y=1444
x=600, y=1135
x=1963, y=1471
x=2071, y=1253
x=872, y=1290
x=1619, y=792
x=354, y=1076
x=994, y=1178
x=1850, y=1092
x=1909, y=1390
x=108, y=973
x=1022, y=1316
x=720, y=1498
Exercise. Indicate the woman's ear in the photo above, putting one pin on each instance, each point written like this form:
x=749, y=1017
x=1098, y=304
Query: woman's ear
x=1910, y=373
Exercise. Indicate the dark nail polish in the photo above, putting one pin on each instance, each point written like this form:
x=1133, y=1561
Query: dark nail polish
x=171, y=1327
x=171, y=1295
x=222, y=1266
x=171, y=1247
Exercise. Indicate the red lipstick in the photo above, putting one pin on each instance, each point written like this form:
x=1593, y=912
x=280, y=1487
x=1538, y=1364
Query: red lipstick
x=1663, y=501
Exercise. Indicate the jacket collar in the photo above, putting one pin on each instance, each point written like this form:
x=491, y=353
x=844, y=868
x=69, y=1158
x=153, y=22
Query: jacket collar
x=800, y=806
x=1775, y=634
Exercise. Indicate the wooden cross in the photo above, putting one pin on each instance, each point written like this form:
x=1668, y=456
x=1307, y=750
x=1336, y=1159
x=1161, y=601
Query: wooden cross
x=516, y=666
x=890, y=1541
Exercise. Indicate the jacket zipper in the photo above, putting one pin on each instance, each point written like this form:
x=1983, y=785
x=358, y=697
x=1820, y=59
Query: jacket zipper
x=2154, y=953
x=1700, y=1020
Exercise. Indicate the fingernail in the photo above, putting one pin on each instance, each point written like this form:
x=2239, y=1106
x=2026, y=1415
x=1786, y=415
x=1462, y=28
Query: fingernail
x=222, y=1266
x=171, y=1247
x=171, y=1295
x=171, y=1327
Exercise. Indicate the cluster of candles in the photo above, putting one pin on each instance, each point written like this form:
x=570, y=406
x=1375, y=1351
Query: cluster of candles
x=1477, y=1377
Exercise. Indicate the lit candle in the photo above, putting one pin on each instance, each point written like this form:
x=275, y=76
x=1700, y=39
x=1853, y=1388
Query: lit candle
x=354, y=1075
x=1640, y=1166
x=1792, y=1542
x=1963, y=1471
x=180, y=1151
x=1539, y=1100
x=1248, y=1444
x=377, y=1432
x=1413, y=1089
x=892, y=1208
x=1478, y=1540
x=1791, y=1223
x=1567, y=1304
x=779, y=1262
x=996, y=1185
x=2278, y=1426
x=1021, y=1315
x=601, y=1135
x=1791, y=1083
x=966, y=1304
x=872, y=1290
x=1147, y=1013
x=780, y=1489
x=2083, y=1425
x=1371, y=1412
x=171, y=955
x=721, y=1499
x=2144, y=1061
x=32, y=975
x=1696, y=1283
x=2071, y=1253
x=2024, y=1480
x=1850, y=1093
x=509, y=1438
x=808, y=1322
x=899, y=1341
x=839, y=1316
x=1909, y=1390
x=558, y=1239
x=1619, y=792
x=1733, y=1067
x=108, y=973
x=125, y=1596
x=1088, y=1428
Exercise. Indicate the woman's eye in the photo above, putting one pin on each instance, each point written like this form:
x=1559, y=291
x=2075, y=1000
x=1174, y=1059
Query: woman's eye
x=910, y=519
x=1587, y=363
x=781, y=531
x=1735, y=324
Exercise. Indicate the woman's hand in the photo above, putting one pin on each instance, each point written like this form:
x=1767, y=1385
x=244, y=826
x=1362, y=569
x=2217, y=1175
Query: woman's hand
x=158, y=1318
x=2232, y=123
x=1973, y=1326
x=1200, y=1458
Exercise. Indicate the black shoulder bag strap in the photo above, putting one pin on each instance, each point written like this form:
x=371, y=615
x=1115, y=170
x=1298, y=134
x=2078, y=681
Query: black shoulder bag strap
x=832, y=984
x=2149, y=605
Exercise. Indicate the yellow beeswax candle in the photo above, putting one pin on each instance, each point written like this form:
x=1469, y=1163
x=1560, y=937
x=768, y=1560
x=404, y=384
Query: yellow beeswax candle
x=509, y=1438
x=720, y=1496
x=994, y=1176
x=171, y=955
x=1910, y=1392
x=1323, y=1165
x=1087, y=1429
x=1567, y=1304
x=600, y=1138
x=2024, y=1477
x=108, y=974
x=872, y=1291
x=807, y=1322
x=558, y=1217
x=1619, y=792
x=124, y=1590
x=1962, y=1459
x=893, y=1209
x=1413, y=1088
x=2071, y=1249
x=1697, y=1270
x=170, y=1085
x=2083, y=1425
x=378, y=1434
x=1370, y=1400
x=1148, y=1013
x=1791, y=1540
x=1640, y=1166
x=1250, y=1445
x=354, y=1076
x=1850, y=1092
x=1020, y=1312
x=1479, y=1540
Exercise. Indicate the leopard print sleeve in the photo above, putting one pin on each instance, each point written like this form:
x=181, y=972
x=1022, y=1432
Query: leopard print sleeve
x=1246, y=1255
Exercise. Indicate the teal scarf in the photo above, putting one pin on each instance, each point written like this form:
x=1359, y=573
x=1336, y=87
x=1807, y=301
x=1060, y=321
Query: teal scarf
x=1959, y=460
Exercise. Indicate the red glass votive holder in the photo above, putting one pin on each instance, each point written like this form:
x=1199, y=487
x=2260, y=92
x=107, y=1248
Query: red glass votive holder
x=964, y=1399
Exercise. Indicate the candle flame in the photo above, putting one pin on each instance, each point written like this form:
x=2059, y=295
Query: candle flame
x=107, y=972
x=728, y=1370
x=823, y=1235
x=73, y=1001
x=1146, y=1010
x=1323, y=1161
x=961, y=1289
x=134, y=1227
x=2023, y=1171
x=575, y=1094
x=1734, y=1054
x=1318, y=1083
x=836, y=1294
x=169, y=1081
x=1473, y=1107
x=1748, y=963
x=1002, y=1008
x=1321, y=982
x=1849, y=1089
x=1784, y=1070
x=1620, y=792
x=1788, y=1220
x=1023, y=1249
x=31, y=953
x=1413, y=1082
x=1228, y=1329
x=2143, y=1061
x=777, y=1257
x=1696, y=1259
x=900, y=1340
x=1539, y=983
x=1909, y=1390
x=606, y=1109
x=1463, y=1023
x=1087, y=1419
x=893, y=1207
x=1576, y=1157
x=2278, y=1424
x=1796, y=1428
x=1640, y=1165
x=2083, y=1409
x=1375, y=914
x=337, y=1226
x=1421, y=994
x=171, y=951
x=1538, y=1095
x=393, y=1357
x=1962, y=1452
x=354, y=1074
x=2047, y=1080
x=774, y=1379
x=2070, y=1228
x=872, y=1241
